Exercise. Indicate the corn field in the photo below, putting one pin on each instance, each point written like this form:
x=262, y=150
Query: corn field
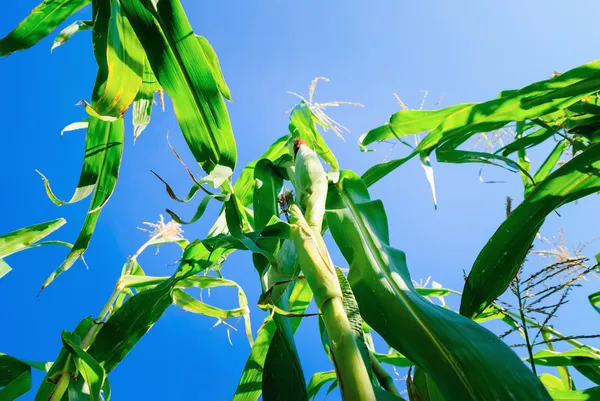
x=317, y=237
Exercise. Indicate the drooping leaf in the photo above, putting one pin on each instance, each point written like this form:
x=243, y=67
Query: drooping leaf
x=425, y=387
x=528, y=103
x=500, y=259
x=15, y=378
x=250, y=384
x=88, y=368
x=142, y=104
x=465, y=360
x=591, y=394
x=121, y=67
x=26, y=238
x=572, y=357
x=395, y=358
x=595, y=300
x=39, y=24
x=100, y=174
x=215, y=67
x=63, y=364
x=318, y=380
x=410, y=122
x=183, y=71
x=69, y=31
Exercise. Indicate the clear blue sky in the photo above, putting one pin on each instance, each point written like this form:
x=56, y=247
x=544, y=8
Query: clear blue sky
x=466, y=51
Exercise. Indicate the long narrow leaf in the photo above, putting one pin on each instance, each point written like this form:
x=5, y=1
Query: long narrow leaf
x=39, y=24
x=182, y=69
x=466, y=361
x=500, y=259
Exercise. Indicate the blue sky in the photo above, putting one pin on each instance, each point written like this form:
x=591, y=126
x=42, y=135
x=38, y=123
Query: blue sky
x=465, y=51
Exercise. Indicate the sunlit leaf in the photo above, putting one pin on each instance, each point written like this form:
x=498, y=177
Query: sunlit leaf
x=39, y=24
x=465, y=360
x=69, y=31
x=500, y=259
x=181, y=68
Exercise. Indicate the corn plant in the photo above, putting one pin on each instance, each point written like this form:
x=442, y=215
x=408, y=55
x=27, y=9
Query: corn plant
x=278, y=210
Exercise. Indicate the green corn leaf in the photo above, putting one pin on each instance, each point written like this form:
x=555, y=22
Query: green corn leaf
x=199, y=210
x=122, y=64
x=88, y=368
x=190, y=304
x=572, y=357
x=423, y=388
x=64, y=363
x=595, y=300
x=250, y=384
x=179, y=64
x=591, y=394
x=39, y=24
x=27, y=237
x=528, y=103
x=395, y=358
x=552, y=382
x=105, y=161
x=69, y=31
x=500, y=259
x=548, y=164
x=215, y=67
x=142, y=104
x=410, y=122
x=15, y=378
x=302, y=124
x=282, y=376
x=129, y=324
x=527, y=141
x=318, y=380
x=466, y=361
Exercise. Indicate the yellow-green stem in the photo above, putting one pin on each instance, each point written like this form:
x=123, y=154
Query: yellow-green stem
x=61, y=386
x=352, y=374
x=383, y=376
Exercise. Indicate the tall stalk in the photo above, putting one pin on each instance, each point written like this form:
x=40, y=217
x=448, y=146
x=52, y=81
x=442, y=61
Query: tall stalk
x=317, y=266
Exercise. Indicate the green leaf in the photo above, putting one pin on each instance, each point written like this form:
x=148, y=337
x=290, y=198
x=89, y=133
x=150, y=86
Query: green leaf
x=69, y=31
x=395, y=358
x=591, y=394
x=282, y=377
x=129, y=324
x=121, y=67
x=179, y=64
x=548, y=164
x=250, y=384
x=15, y=378
x=466, y=361
x=27, y=237
x=595, y=300
x=318, y=380
x=90, y=370
x=500, y=259
x=424, y=387
x=39, y=24
x=552, y=382
x=63, y=363
x=527, y=141
x=572, y=357
x=215, y=67
x=528, y=103
x=142, y=104
x=302, y=124
x=100, y=173
x=410, y=122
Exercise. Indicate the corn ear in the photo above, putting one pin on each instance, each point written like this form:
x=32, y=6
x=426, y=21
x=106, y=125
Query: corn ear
x=310, y=183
